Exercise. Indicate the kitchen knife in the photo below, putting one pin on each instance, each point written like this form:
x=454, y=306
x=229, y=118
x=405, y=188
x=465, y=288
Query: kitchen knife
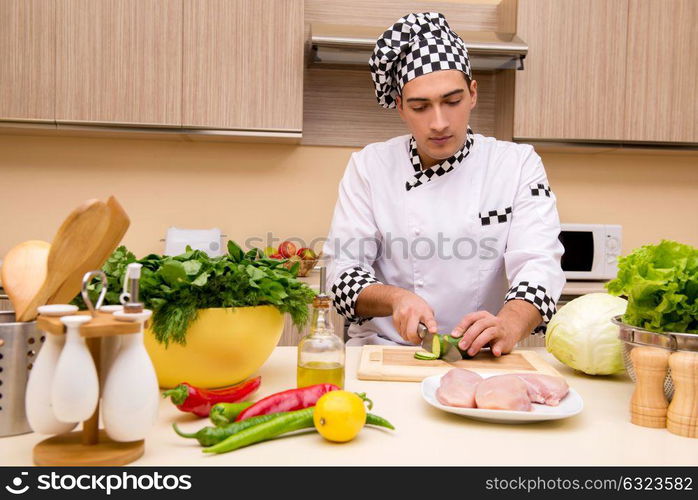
x=448, y=351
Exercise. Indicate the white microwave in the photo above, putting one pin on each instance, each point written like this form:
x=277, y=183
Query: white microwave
x=591, y=251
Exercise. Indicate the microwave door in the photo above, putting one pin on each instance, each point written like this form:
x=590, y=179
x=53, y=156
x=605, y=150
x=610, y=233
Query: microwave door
x=582, y=255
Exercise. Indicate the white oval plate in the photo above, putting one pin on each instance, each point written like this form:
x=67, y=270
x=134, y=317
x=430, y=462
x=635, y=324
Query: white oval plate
x=570, y=405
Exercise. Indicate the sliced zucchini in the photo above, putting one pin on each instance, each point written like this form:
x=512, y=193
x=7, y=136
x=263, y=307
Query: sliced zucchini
x=454, y=342
x=427, y=356
x=446, y=343
x=436, y=346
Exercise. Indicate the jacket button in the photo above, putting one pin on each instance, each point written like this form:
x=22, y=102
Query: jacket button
x=416, y=231
x=420, y=283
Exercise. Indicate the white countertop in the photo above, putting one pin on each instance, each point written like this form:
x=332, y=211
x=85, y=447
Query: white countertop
x=601, y=435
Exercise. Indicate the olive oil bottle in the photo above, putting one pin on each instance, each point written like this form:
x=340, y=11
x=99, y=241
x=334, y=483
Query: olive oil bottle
x=321, y=352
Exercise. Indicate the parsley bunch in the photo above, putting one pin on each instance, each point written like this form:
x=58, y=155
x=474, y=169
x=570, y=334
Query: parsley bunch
x=176, y=287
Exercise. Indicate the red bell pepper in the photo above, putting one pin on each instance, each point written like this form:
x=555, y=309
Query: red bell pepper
x=291, y=400
x=200, y=401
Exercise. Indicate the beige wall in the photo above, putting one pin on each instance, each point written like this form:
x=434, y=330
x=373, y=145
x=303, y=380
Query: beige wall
x=251, y=189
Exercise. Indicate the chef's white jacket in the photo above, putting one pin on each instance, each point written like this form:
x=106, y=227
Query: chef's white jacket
x=483, y=233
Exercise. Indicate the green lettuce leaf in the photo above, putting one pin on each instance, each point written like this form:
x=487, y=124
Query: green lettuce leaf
x=661, y=284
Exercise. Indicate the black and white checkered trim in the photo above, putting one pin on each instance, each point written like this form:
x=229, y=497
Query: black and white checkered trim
x=346, y=289
x=540, y=329
x=534, y=294
x=540, y=190
x=415, y=45
x=424, y=176
x=495, y=216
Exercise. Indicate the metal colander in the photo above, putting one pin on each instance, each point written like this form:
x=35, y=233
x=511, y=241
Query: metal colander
x=632, y=336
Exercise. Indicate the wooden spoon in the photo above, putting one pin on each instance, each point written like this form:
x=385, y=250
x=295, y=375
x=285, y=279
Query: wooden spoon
x=24, y=271
x=77, y=237
x=118, y=224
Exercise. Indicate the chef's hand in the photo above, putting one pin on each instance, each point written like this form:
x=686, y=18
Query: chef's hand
x=408, y=310
x=515, y=319
x=480, y=328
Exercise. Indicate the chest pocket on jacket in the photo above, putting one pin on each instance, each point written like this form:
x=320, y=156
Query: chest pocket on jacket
x=545, y=203
x=495, y=216
x=494, y=225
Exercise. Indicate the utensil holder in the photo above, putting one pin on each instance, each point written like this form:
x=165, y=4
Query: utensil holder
x=5, y=304
x=19, y=345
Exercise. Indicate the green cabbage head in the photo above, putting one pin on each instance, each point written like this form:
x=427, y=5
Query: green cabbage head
x=582, y=336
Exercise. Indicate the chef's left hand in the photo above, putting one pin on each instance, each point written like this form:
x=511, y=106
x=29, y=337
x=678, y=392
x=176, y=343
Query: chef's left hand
x=480, y=328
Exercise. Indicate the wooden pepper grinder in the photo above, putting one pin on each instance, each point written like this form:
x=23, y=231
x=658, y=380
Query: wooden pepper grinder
x=682, y=417
x=648, y=406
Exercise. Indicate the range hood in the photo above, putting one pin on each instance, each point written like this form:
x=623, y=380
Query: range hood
x=338, y=45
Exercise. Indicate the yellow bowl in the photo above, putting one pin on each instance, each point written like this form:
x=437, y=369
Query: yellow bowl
x=224, y=346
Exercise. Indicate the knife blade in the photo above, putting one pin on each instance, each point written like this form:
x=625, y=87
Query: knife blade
x=448, y=352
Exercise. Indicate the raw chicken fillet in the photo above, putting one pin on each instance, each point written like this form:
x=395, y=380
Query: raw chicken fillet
x=458, y=388
x=545, y=389
x=503, y=392
x=516, y=391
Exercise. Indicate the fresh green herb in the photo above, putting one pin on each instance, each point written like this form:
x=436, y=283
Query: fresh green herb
x=176, y=287
x=661, y=284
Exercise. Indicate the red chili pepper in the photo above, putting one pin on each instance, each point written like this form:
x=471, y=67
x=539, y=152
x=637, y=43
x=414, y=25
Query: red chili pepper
x=291, y=400
x=199, y=401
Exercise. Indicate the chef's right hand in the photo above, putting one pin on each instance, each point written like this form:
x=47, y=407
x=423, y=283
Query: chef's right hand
x=409, y=309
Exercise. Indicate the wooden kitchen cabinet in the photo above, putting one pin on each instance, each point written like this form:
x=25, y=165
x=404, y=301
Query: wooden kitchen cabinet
x=573, y=84
x=619, y=71
x=119, y=62
x=661, y=102
x=243, y=64
x=27, y=60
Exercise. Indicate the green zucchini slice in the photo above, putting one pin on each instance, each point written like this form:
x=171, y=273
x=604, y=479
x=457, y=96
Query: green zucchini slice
x=427, y=356
x=436, y=346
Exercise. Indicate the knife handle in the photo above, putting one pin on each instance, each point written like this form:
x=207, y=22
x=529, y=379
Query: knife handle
x=422, y=330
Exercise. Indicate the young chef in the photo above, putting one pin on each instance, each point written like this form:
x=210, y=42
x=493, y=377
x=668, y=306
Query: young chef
x=442, y=226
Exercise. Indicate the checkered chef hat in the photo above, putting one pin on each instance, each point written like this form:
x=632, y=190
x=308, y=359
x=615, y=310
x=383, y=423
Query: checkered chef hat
x=415, y=45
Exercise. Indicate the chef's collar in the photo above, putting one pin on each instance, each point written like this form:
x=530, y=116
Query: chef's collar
x=423, y=176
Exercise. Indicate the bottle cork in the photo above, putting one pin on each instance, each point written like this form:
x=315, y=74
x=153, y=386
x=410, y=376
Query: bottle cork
x=648, y=406
x=682, y=416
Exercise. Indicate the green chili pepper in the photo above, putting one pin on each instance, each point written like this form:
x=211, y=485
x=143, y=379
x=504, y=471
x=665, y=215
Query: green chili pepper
x=372, y=419
x=224, y=413
x=209, y=436
x=280, y=424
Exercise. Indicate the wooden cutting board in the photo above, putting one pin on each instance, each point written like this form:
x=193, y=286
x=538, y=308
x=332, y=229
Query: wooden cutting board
x=398, y=363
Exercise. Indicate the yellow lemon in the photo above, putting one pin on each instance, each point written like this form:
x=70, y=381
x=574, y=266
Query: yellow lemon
x=339, y=416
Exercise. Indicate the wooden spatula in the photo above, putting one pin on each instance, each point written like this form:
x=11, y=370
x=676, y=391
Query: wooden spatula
x=118, y=224
x=24, y=271
x=77, y=237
